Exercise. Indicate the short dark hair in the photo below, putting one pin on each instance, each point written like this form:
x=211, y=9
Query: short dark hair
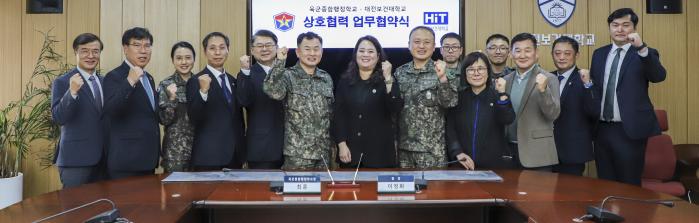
x=472, y=58
x=137, y=33
x=308, y=36
x=86, y=38
x=566, y=39
x=423, y=28
x=622, y=12
x=453, y=36
x=497, y=36
x=524, y=37
x=205, y=42
x=263, y=33
x=182, y=44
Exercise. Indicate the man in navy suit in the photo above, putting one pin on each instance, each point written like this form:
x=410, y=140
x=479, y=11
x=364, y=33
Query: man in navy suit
x=77, y=108
x=265, y=133
x=623, y=70
x=214, y=110
x=579, y=109
x=130, y=104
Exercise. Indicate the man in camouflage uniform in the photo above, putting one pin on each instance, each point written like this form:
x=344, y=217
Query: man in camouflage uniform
x=427, y=92
x=307, y=92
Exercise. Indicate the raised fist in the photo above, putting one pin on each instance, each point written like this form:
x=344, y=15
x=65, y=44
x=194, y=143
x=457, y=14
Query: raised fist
x=171, y=91
x=135, y=74
x=500, y=85
x=441, y=68
x=245, y=62
x=541, y=82
x=281, y=53
x=204, y=83
x=635, y=39
x=585, y=75
x=386, y=68
x=76, y=82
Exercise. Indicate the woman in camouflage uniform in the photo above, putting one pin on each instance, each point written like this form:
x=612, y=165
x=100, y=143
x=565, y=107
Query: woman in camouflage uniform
x=179, y=135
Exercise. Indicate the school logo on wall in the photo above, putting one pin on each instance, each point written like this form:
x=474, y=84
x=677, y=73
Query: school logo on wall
x=284, y=21
x=557, y=12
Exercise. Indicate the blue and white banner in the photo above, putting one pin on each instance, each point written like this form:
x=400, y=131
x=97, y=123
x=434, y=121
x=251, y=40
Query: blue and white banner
x=341, y=22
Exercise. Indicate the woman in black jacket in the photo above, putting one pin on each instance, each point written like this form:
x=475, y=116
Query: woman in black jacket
x=366, y=98
x=476, y=126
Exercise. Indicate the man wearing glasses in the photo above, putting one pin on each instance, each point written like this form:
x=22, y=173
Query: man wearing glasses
x=452, y=50
x=130, y=105
x=76, y=105
x=497, y=48
x=265, y=132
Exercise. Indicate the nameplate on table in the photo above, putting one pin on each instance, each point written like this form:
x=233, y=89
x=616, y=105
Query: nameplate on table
x=301, y=185
x=395, y=184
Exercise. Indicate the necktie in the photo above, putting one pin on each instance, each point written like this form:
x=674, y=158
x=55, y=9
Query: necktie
x=96, y=92
x=608, y=112
x=560, y=78
x=226, y=91
x=149, y=90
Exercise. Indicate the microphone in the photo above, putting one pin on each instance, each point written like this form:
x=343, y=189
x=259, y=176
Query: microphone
x=327, y=168
x=361, y=155
x=107, y=216
x=422, y=183
x=599, y=214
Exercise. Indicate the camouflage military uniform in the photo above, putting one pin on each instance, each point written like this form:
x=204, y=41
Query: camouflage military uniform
x=421, y=121
x=179, y=132
x=308, y=110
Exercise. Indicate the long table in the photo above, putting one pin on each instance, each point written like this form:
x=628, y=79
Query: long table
x=522, y=196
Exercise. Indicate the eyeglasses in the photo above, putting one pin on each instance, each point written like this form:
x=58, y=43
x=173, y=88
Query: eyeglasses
x=146, y=47
x=480, y=70
x=451, y=48
x=266, y=46
x=495, y=49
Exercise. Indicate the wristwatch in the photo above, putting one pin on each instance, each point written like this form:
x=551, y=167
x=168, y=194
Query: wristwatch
x=642, y=46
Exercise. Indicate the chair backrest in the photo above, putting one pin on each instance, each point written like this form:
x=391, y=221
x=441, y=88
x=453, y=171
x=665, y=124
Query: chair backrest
x=660, y=153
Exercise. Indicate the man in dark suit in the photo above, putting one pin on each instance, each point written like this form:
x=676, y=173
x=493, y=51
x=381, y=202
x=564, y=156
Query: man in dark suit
x=130, y=104
x=623, y=70
x=265, y=132
x=214, y=110
x=579, y=109
x=77, y=108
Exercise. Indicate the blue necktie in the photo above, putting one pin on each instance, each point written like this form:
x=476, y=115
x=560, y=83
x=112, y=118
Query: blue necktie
x=608, y=112
x=560, y=78
x=149, y=90
x=226, y=91
x=96, y=92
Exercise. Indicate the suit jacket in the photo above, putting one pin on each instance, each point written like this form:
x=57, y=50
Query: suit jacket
x=265, y=116
x=580, y=110
x=218, y=125
x=363, y=119
x=537, y=111
x=635, y=107
x=134, y=133
x=490, y=148
x=82, y=125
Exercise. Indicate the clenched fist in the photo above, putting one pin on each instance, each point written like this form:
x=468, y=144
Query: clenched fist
x=441, y=68
x=171, y=91
x=76, y=82
x=500, y=85
x=135, y=74
x=281, y=53
x=386, y=68
x=634, y=39
x=245, y=62
x=585, y=75
x=204, y=83
x=541, y=82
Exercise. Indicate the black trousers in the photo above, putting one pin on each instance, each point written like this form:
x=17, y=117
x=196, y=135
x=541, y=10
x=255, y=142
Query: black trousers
x=265, y=164
x=76, y=176
x=570, y=168
x=618, y=157
x=117, y=174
